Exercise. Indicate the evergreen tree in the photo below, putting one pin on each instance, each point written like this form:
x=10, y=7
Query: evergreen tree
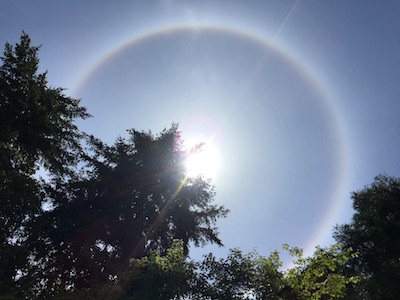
x=36, y=130
x=131, y=198
x=135, y=199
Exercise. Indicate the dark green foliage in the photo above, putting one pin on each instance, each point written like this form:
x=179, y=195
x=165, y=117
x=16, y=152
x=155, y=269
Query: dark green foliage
x=155, y=276
x=36, y=129
x=20, y=201
x=134, y=199
x=128, y=200
x=36, y=121
x=242, y=276
x=375, y=234
x=162, y=277
x=120, y=226
x=253, y=276
x=239, y=276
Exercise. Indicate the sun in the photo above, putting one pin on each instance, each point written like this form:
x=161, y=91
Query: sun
x=205, y=162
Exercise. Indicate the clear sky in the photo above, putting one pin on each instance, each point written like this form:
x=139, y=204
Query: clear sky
x=299, y=98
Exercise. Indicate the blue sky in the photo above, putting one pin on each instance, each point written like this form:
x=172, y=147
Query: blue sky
x=301, y=98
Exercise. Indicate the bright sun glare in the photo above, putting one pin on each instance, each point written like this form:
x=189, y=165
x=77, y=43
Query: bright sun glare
x=203, y=163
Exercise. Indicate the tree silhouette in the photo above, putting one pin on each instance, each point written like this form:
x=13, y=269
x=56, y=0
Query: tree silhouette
x=36, y=121
x=36, y=129
x=121, y=218
x=134, y=198
x=374, y=233
x=123, y=201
